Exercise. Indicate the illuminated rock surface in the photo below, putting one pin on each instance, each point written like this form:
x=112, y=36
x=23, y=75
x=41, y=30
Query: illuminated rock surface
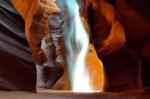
x=17, y=71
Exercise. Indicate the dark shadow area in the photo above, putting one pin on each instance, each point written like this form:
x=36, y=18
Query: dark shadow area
x=17, y=70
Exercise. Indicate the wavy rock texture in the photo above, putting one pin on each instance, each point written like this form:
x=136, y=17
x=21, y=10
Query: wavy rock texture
x=17, y=70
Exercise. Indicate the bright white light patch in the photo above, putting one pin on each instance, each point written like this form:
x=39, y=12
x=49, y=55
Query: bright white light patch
x=81, y=77
x=77, y=44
